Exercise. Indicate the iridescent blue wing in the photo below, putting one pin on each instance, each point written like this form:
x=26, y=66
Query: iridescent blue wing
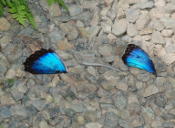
x=134, y=56
x=44, y=62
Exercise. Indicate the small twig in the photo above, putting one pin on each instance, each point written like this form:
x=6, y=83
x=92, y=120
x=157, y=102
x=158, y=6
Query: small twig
x=99, y=65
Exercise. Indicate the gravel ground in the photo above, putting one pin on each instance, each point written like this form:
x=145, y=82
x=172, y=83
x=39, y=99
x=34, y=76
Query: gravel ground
x=99, y=91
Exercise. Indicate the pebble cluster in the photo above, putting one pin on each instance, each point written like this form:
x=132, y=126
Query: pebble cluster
x=99, y=91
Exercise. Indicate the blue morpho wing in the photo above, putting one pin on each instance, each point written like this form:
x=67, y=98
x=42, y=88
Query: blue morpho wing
x=134, y=56
x=44, y=61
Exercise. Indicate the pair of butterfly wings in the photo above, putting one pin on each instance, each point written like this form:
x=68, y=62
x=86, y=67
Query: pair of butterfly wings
x=48, y=62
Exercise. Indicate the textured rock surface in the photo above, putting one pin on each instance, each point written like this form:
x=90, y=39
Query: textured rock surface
x=99, y=90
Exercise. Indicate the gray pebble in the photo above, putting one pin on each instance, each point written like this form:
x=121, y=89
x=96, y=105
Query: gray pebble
x=19, y=110
x=111, y=120
x=69, y=112
x=90, y=116
x=38, y=104
x=70, y=30
x=156, y=24
x=144, y=76
x=5, y=112
x=74, y=10
x=105, y=50
x=78, y=107
x=160, y=100
x=56, y=35
x=132, y=31
x=170, y=8
x=145, y=5
x=168, y=22
x=5, y=40
x=157, y=38
x=120, y=101
x=119, y=27
x=142, y=21
x=19, y=89
x=3, y=64
x=168, y=116
x=132, y=14
x=168, y=124
x=124, y=124
x=43, y=124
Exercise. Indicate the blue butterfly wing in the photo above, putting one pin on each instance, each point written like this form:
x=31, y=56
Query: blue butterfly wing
x=45, y=62
x=136, y=57
x=140, y=61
